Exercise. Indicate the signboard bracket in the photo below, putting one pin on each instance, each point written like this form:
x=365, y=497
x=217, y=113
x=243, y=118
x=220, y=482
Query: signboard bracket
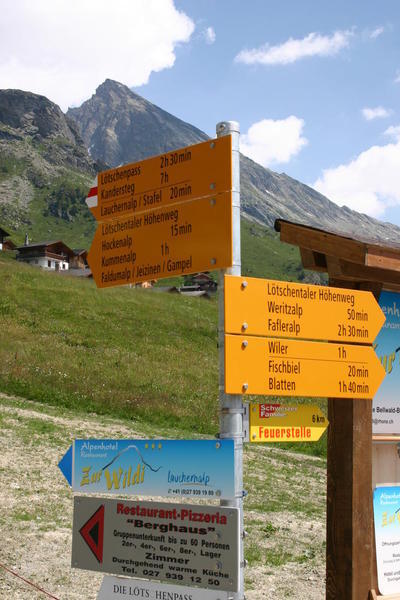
x=246, y=422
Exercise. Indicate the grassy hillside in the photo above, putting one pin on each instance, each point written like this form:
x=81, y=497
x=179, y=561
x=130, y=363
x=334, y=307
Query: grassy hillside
x=263, y=255
x=59, y=212
x=127, y=352
x=56, y=209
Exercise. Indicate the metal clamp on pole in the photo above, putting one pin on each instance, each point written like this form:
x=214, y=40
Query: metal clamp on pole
x=228, y=410
x=231, y=436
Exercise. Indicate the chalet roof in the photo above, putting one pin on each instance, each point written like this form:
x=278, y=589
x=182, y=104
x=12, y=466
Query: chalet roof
x=79, y=251
x=38, y=245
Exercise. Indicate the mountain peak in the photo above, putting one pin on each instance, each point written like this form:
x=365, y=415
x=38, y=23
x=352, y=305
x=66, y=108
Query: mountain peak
x=110, y=86
x=120, y=126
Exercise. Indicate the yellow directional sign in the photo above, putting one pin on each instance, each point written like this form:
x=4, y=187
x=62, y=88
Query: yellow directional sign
x=283, y=423
x=283, y=367
x=172, y=178
x=165, y=242
x=294, y=310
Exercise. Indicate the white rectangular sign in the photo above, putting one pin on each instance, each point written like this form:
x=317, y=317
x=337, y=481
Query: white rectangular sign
x=187, y=544
x=119, y=588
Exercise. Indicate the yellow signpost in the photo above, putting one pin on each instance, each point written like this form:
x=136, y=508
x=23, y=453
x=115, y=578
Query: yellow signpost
x=283, y=367
x=282, y=309
x=276, y=422
x=164, y=242
x=172, y=178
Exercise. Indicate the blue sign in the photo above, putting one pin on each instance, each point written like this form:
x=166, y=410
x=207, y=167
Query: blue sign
x=195, y=468
x=386, y=403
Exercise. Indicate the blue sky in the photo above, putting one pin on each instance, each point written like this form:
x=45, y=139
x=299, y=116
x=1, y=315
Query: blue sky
x=314, y=84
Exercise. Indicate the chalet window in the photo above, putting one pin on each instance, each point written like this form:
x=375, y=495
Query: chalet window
x=49, y=263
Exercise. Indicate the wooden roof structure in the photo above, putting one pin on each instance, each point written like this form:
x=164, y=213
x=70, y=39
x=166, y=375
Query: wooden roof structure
x=365, y=262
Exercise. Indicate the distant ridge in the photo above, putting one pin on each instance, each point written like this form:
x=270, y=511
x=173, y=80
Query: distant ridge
x=119, y=126
x=48, y=161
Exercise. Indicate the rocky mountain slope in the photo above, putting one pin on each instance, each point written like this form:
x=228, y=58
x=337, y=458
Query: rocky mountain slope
x=119, y=126
x=45, y=169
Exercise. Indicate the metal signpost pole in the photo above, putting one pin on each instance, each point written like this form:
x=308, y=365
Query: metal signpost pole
x=231, y=408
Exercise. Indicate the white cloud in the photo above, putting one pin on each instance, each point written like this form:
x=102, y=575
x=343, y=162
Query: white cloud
x=376, y=32
x=270, y=141
x=292, y=50
x=209, y=35
x=375, y=113
x=397, y=78
x=370, y=183
x=64, y=49
x=394, y=132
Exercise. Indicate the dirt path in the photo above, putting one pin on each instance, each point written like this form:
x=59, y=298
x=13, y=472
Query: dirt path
x=284, y=509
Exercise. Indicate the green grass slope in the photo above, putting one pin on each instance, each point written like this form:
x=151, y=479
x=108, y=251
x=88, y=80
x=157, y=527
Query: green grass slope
x=146, y=356
x=263, y=255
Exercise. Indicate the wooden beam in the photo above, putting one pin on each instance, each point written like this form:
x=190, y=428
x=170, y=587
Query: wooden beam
x=342, y=269
x=373, y=274
x=323, y=242
x=383, y=258
x=314, y=261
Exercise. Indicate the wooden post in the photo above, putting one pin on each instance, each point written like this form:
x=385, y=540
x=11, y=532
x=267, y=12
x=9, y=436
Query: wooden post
x=349, y=533
x=349, y=539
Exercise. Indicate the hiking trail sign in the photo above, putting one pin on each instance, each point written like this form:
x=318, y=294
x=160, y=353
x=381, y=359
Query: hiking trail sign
x=278, y=365
x=164, y=216
x=281, y=309
x=182, y=175
x=164, y=242
x=284, y=367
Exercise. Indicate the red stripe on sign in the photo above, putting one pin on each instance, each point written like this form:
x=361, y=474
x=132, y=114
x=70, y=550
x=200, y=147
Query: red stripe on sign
x=92, y=192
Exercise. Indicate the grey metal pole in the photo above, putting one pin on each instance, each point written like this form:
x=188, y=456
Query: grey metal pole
x=231, y=408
